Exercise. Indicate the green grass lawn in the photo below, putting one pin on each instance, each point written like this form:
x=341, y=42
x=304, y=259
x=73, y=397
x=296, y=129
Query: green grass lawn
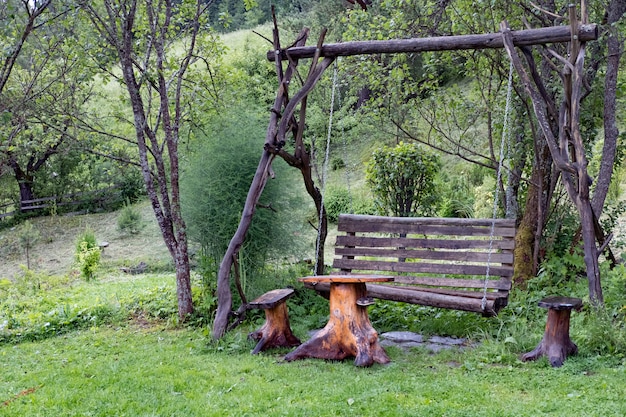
x=151, y=371
x=112, y=347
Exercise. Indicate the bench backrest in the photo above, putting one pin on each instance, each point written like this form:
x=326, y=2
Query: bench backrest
x=438, y=252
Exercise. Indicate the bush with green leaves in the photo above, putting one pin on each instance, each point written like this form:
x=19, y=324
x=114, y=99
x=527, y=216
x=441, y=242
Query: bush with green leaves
x=336, y=201
x=402, y=180
x=214, y=187
x=130, y=220
x=87, y=254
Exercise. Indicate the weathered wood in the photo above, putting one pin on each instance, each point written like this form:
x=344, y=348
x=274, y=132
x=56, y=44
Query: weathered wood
x=259, y=180
x=451, y=255
x=555, y=34
x=443, y=262
x=271, y=298
x=421, y=267
x=276, y=331
x=556, y=344
x=470, y=301
x=349, y=332
x=566, y=146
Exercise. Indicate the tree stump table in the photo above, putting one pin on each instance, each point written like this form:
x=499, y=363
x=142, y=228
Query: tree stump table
x=556, y=343
x=276, y=331
x=349, y=332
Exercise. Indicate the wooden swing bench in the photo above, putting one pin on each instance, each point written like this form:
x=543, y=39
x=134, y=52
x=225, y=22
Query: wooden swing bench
x=451, y=263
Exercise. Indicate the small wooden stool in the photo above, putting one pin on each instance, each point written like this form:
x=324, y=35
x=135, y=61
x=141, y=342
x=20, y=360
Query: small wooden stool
x=556, y=344
x=276, y=332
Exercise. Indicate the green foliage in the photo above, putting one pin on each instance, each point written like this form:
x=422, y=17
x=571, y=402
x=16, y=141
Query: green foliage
x=602, y=333
x=336, y=201
x=337, y=163
x=130, y=220
x=28, y=281
x=457, y=195
x=614, y=291
x=87, y=255
x=61, y=305
x=215, y=185
x=131, y=184
x=402, y=180
x=484, y=198
x=155, y=303
x=556, y=273
x=560, y=229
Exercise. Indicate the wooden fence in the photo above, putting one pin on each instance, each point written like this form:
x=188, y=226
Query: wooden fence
x=97, y=198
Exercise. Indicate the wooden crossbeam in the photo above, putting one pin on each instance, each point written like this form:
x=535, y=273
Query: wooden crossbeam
x=555, y=34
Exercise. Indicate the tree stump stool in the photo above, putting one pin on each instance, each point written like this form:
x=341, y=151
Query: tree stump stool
x=556, y=343
x=276, y=331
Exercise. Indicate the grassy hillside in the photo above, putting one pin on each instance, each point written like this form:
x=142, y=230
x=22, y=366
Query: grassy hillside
x=53, y=252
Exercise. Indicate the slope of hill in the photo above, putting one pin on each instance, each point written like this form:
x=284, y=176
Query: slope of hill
x=54, y=250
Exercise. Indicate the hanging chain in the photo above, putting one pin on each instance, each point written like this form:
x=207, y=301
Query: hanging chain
x=505, y=137
x=346, y=158
x=325, y=169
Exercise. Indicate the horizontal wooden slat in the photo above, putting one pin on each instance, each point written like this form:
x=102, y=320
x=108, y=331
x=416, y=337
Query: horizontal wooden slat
x=397, y=242
x=426, y=225
x=407, y=254
x=421, y=267
x=415, y=296
x=503, y=284
x=448, y=221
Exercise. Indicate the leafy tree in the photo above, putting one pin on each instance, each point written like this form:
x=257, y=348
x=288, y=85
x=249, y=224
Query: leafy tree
x=157, y=46
x=448, y=120
x=18, y=20
x=46, y=101
x=402, y=180
x=37, y=78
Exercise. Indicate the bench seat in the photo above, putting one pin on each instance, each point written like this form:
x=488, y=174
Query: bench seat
x=462, y=264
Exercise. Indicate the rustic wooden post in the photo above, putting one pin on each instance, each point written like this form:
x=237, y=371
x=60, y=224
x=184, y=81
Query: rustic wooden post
x=556, y=343
x=566, y=146
x=256, y=188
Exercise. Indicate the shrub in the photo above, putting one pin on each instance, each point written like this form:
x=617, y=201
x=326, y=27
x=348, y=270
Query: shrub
x=214, y=194
x=402, y=180
x=337, y=163
x=336, y=201
x=130, y=220
x=87, y=254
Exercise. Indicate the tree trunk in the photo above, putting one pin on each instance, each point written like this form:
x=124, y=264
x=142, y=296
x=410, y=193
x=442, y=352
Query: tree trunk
x=615, y=10
x=161, y=176
x=556, y=343
x=183, y=283
x=26, y=191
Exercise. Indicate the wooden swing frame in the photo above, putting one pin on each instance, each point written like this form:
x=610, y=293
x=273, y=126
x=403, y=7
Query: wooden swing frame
x=283, y=120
